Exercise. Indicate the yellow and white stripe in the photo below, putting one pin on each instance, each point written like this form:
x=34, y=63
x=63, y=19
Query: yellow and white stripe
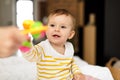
x=50, y=67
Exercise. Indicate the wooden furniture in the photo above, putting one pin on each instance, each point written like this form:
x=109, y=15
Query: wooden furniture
x=89, y=41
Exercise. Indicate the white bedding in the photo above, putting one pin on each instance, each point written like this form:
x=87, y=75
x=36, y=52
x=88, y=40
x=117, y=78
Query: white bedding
x=17, y=68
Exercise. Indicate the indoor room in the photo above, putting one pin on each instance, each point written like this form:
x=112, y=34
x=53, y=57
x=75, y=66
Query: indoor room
x=95, y=42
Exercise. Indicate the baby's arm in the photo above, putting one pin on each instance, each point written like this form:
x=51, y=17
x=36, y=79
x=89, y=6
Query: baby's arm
x=77, y=75
x=34, y=54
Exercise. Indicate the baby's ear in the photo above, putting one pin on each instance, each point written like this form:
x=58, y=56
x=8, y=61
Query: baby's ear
x=72, y=33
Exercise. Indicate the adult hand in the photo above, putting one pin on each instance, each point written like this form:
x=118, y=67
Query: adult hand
x=10, y=40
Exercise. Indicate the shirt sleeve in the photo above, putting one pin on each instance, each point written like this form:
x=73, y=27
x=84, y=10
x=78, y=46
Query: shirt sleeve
x=75, y=68
x=34, y=54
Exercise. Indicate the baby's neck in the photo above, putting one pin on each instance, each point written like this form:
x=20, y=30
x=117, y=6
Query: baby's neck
x=59, y=48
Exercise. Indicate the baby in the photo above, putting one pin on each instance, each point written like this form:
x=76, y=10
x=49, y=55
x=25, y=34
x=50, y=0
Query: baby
x=54, y=56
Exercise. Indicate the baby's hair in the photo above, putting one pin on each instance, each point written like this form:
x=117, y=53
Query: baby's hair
x=63, y=12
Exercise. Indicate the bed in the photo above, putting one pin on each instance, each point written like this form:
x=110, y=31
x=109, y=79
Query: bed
x=17, y=68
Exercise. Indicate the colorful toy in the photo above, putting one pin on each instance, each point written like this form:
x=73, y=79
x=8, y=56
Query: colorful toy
x=36, y=29
x=33, y=27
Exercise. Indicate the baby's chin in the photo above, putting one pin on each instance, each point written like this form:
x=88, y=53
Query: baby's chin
x=56, y=42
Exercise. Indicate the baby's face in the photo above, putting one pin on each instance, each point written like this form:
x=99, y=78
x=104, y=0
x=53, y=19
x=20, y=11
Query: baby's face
x=59, y=29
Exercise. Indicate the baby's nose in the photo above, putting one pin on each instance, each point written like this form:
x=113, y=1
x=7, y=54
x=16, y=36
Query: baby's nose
x=57, y=28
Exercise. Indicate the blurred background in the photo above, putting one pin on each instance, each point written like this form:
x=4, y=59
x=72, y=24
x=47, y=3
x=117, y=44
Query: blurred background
x=98, y=22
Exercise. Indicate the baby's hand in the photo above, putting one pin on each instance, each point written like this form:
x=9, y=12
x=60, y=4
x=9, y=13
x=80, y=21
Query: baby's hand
x=26, y=46
x=87, y=77
x=79, y=76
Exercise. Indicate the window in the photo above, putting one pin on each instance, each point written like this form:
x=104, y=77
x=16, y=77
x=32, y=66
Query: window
x=24, y=11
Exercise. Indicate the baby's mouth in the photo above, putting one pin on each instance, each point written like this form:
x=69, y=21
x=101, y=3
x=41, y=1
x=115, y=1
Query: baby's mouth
x=56, y=35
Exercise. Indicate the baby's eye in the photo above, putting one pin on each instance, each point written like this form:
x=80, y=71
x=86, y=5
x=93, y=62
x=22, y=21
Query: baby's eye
x=52, y=25
x=63, y=26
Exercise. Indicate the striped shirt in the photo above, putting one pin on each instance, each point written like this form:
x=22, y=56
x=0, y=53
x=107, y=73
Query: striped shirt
x=52, y=65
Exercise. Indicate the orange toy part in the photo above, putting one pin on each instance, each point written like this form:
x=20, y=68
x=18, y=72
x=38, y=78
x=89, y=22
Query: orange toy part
x=27, y=24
